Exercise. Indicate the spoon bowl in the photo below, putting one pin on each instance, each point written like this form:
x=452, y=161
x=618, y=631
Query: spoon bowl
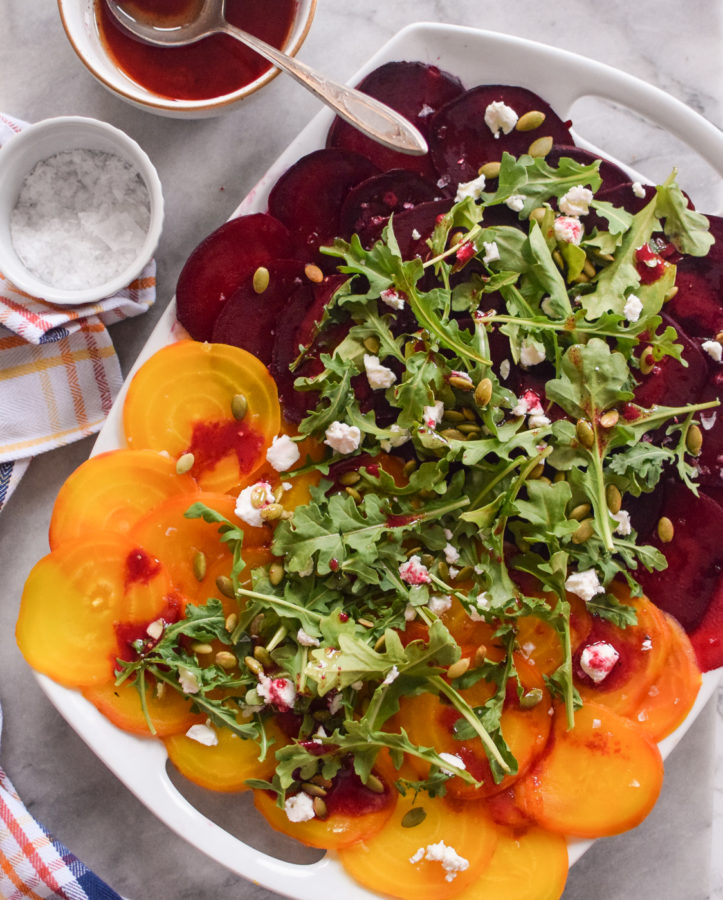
x=203, y=18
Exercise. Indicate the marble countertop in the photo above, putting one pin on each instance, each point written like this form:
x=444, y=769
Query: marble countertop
x=674, y=46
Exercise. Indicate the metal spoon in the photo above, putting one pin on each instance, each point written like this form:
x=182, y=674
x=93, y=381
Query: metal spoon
x=375, y=119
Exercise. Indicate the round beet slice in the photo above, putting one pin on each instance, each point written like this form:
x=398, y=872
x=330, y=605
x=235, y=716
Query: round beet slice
x=691, y=588
x=670, y=383
x=412, y=228
x=710, y=461
x=249, y=320
x=308, y=197
x=375, y=199
x=611, y=175
x=220, y=263
x=414, y=89
x=698, y=304
x=460, y=140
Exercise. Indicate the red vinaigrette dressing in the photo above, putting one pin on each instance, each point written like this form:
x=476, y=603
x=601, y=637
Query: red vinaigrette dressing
x=212, y=67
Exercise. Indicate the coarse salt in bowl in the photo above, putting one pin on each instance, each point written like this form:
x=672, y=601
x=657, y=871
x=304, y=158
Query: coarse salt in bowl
x=81, y=210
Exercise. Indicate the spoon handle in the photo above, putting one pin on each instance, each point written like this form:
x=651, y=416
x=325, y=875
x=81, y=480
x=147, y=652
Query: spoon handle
x=379, y=121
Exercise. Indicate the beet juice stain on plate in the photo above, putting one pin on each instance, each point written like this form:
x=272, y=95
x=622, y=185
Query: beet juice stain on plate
x=212, y=67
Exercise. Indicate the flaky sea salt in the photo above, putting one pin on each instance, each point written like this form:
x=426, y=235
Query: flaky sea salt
x=81, y=218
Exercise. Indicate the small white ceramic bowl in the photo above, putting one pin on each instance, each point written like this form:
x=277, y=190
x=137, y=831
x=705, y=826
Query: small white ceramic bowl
x=80, y=24
x=45, y=139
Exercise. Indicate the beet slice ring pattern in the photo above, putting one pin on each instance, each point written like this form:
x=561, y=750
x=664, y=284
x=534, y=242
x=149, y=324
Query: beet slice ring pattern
x=375, y=199
x=308, y=197
x=220, y=263
x=461, y=142
x=414, y=89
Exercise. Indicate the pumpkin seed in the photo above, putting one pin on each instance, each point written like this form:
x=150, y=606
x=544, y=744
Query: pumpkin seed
x=320, y=808
x=483, y=392
x=313, y=790
x=538, y=214
x=313, y=273
x=537, y=472
x=589, y=269
x=666, y=530
x=694, y=440
x=613, y=498
x=262, y=655
x=354, y=494
x=201, y=647
x=583, y=532
x=610, y=418
x=458, y=668
x=185, y=463
x=719, y=337
x=272, y=512
x=443, y=570
x=452, y=434
x=470, y=429
x=530, y=120
x=469, y=414
x=490, y=169
x=276, y=573
x=540, y=147
x=260, y=280
x=671, y=293
x=559, y=261
x=375, y=784
x=199, y=565
x=371, y=344
x=464, y=573
x=225, y=585
x=409, y=466
x=531, y=698
x=647, y=361
x=349, y=478
x=461, y=383
x=231, y=622
x=480, y=655
x=559, y=476
x=585, y=433
x=453, y=415
x=225, y=659
x=413, y=817
x=258, y=496
x=239, y=406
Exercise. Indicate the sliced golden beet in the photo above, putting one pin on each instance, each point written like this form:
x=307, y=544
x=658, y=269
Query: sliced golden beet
x=168, y=710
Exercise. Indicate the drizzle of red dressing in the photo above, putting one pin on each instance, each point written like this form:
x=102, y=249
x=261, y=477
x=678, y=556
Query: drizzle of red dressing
x=212, y=441
x=127, y=633
x=141, y=567
x=349, y=797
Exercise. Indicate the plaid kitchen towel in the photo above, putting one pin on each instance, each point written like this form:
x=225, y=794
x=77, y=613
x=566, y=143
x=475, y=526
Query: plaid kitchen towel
x=59, y=373
x=33, y=864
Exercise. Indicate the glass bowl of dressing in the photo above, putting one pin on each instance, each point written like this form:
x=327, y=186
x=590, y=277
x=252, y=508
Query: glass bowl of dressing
x=205, y=79
x=81, y=210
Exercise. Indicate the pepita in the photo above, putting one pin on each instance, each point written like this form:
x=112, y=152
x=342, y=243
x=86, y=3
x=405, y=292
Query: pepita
x=231, y=621
x=185, y=463
x=253, y=665
x=276, y=573
x=470, y=429
x=413, y=817
x=458, y=668
x=349, y=478
x=260, y=280
x=409, y=466
x=671, y=293
x=530, y=120
x=694, y=440
x=469, y=414
x=490, y=169
x=480, y=655
x=583, y=532
x=263, y=656
x=258, y=496
x=225, y=659
x=610, y=418
x=540, y=147
x=666, y=530
x=585, y=433
x=313, y=273
x=313, y=790
x=461, y=383
x=453, y=415
x=202, y=648
x=199, y=565
x=320, y=809
x=354, y=494
x=483, y=392
x=272, y=512
x=452, y=434
x=443, y=570
x=531, y=698
x=225, y=585
x=647, y=361
x=537, y=472
x=589, y=269
x=375, y=784
x=464, y=573
x=239, y=406
x=538, y=214
x=613, y=498
x=371, y=344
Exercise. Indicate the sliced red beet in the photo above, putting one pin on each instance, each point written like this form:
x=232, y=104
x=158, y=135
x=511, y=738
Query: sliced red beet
x=611, y=174
x=375, y=199
x=248, y=319
x=220, y=263
x=698, y=304
x=710, y=461
x=670, y=383
x=412, y=228
x=414, y=89
x=460, y=140
x=308, y=197
x=715, y=254
x=691, y=588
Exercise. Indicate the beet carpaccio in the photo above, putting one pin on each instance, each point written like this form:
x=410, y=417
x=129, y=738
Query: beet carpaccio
x=428, y=504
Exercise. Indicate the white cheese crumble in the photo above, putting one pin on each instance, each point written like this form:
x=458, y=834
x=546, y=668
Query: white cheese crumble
x=425, y=111
x=624, y=526
x=633, y=307
x=638, y=189
x=714, y=349
x=299, y=808
x=392, y=298
x=585, y=585
x=454, y=760
x=379, y=376
x=492, y=252
x=500, y=117
x=415, y=234
x=576, y=202
x=399, y=436
x=203, y=734
x=392, y=675
x=515, y=202
x=440, y=603
x=568, y=229
x=471, y=189
x=708, y=421
x=343, y=438
x=451, y=861
x=248, y=508
x=505, y=369
x=283, y=453
x=155, y=629
x=432, y=415
x=279, y=692
x=451, y=554
x=598, y=660
x=414, y=572
x=305, y=639
x=188, y=681
x=531, y=353
x=483, y=603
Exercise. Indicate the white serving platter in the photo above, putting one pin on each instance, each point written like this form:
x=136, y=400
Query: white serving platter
x=477, y=57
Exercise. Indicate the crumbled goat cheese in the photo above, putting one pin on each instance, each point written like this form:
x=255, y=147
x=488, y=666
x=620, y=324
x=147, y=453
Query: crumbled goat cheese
x=378, y=376
x=529, y=404
x=392, y=298
x=415, y=235
x=638, y=189
x=568, y=229
x=299, y=808
x=399, y=436
x=246, y=503
x=452, y=862
x=714, y=349
x=492, y=252
x=451, y=554
x=425, y=111
x=432, y=415
x=471, y=189
x=576, y=202
x=413, y=572
x=453, y=760
x=483, y=602
x=278, y=692
x=188, y=681
x=515, y=202
x=500, y=117
x=505, y=369
x=283, y=453
x=598, y=660
x=633, y=307
x=622, y=517
x=203, y=734
x=305, y=639
x=531, y=353
x=585, y=585
x=440, y=603
x=392, y=675
x=708, y=421
x=155, y=629
x=410, y=613
x=343, y=438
